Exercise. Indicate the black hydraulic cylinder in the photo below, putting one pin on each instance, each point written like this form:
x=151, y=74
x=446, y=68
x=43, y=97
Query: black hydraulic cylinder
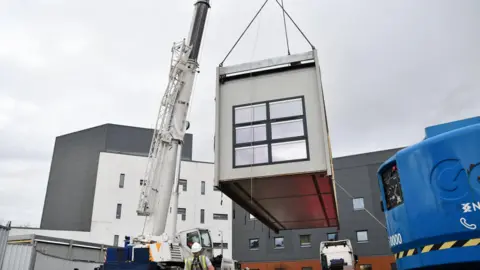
x=198, y=26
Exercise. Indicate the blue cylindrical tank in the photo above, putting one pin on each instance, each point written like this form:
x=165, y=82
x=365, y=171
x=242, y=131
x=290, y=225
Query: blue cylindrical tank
x=431, y=195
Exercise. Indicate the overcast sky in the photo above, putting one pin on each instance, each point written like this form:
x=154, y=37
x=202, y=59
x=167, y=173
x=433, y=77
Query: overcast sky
x=389, y=69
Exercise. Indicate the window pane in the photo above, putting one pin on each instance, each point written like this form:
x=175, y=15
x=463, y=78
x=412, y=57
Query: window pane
x=202, y=216
x=279, y=242
x=289, y=151
x=119, y=210
x=115, y=240
x=250, y=113
x=305, y=240
x=287, y=129
x=362, y=236
x=254, y=243
x=122, y=181
x=203, y=188
x=220, y=216
x=251, y=155
x=286, y=108
x=358, y=204
x=331, y=236
x=250, y=134
x=183, y=183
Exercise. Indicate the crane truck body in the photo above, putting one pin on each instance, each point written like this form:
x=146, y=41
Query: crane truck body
x=157, y=247
x=337, y=255
x=430, y=194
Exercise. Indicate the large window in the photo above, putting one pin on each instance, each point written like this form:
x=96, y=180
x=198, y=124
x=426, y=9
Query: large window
x=270, y=132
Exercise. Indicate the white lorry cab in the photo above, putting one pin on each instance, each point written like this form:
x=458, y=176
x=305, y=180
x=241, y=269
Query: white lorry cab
x=337, y=255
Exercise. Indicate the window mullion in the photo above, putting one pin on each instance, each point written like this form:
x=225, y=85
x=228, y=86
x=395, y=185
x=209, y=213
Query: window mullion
x=269, y=133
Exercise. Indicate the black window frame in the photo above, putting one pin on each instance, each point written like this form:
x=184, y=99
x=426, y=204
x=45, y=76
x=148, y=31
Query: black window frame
x=268, y=124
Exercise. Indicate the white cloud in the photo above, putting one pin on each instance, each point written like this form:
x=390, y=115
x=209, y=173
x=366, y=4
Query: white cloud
x=389, y=69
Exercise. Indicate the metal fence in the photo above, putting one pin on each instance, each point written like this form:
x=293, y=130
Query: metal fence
x=4, y=231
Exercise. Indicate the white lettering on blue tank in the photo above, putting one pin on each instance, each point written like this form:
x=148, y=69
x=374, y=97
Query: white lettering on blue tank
x=471, y=207
x=395, y=240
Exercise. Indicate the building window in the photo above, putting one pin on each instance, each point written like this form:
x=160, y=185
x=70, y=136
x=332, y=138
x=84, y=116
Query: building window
x=366, y=267
x=332, y=236
x=203, y=187
x=251, y=217
x=219, y=245
x=220, y=216
x=183, y=212
x=278, y=242
x=121, y=183
x=143, y=182
x=393, y=266
x=119, y=210
x=202, y=216
x=183, y=183
x=115, y=240
x=362, y=236
x=305, y=240
x=254, y=244
x=270, y=132
x=358, y=204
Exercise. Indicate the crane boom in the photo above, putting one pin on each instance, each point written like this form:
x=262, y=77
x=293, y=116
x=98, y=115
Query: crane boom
x=170, y=127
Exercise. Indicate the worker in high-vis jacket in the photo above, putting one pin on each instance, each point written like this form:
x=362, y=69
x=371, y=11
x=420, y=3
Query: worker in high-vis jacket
x=198, y=261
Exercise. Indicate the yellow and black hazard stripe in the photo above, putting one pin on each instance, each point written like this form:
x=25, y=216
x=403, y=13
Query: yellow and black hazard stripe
x=439, y=246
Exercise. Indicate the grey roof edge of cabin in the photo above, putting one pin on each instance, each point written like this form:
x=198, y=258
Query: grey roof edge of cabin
x=37, y=237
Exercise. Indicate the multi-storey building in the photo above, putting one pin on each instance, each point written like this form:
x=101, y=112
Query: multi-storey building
x=94, y=185
x=360, y=216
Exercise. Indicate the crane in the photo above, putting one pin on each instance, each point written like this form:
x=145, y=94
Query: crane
x=156, y=245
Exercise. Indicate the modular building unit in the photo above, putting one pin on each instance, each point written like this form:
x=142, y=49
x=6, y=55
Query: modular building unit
x=272, y=149
x=35, y=252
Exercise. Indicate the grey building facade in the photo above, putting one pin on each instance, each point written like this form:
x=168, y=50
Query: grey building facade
x=73, y=172
x=357, y=175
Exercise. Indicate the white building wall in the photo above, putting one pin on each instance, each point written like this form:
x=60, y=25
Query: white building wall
x=108, y=194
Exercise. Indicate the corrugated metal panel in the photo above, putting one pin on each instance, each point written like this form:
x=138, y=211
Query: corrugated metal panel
x=3, y=242
x=18, y=257
x=45, y=262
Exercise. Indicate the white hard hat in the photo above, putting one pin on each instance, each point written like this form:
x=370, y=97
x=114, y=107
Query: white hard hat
x=196, y=247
